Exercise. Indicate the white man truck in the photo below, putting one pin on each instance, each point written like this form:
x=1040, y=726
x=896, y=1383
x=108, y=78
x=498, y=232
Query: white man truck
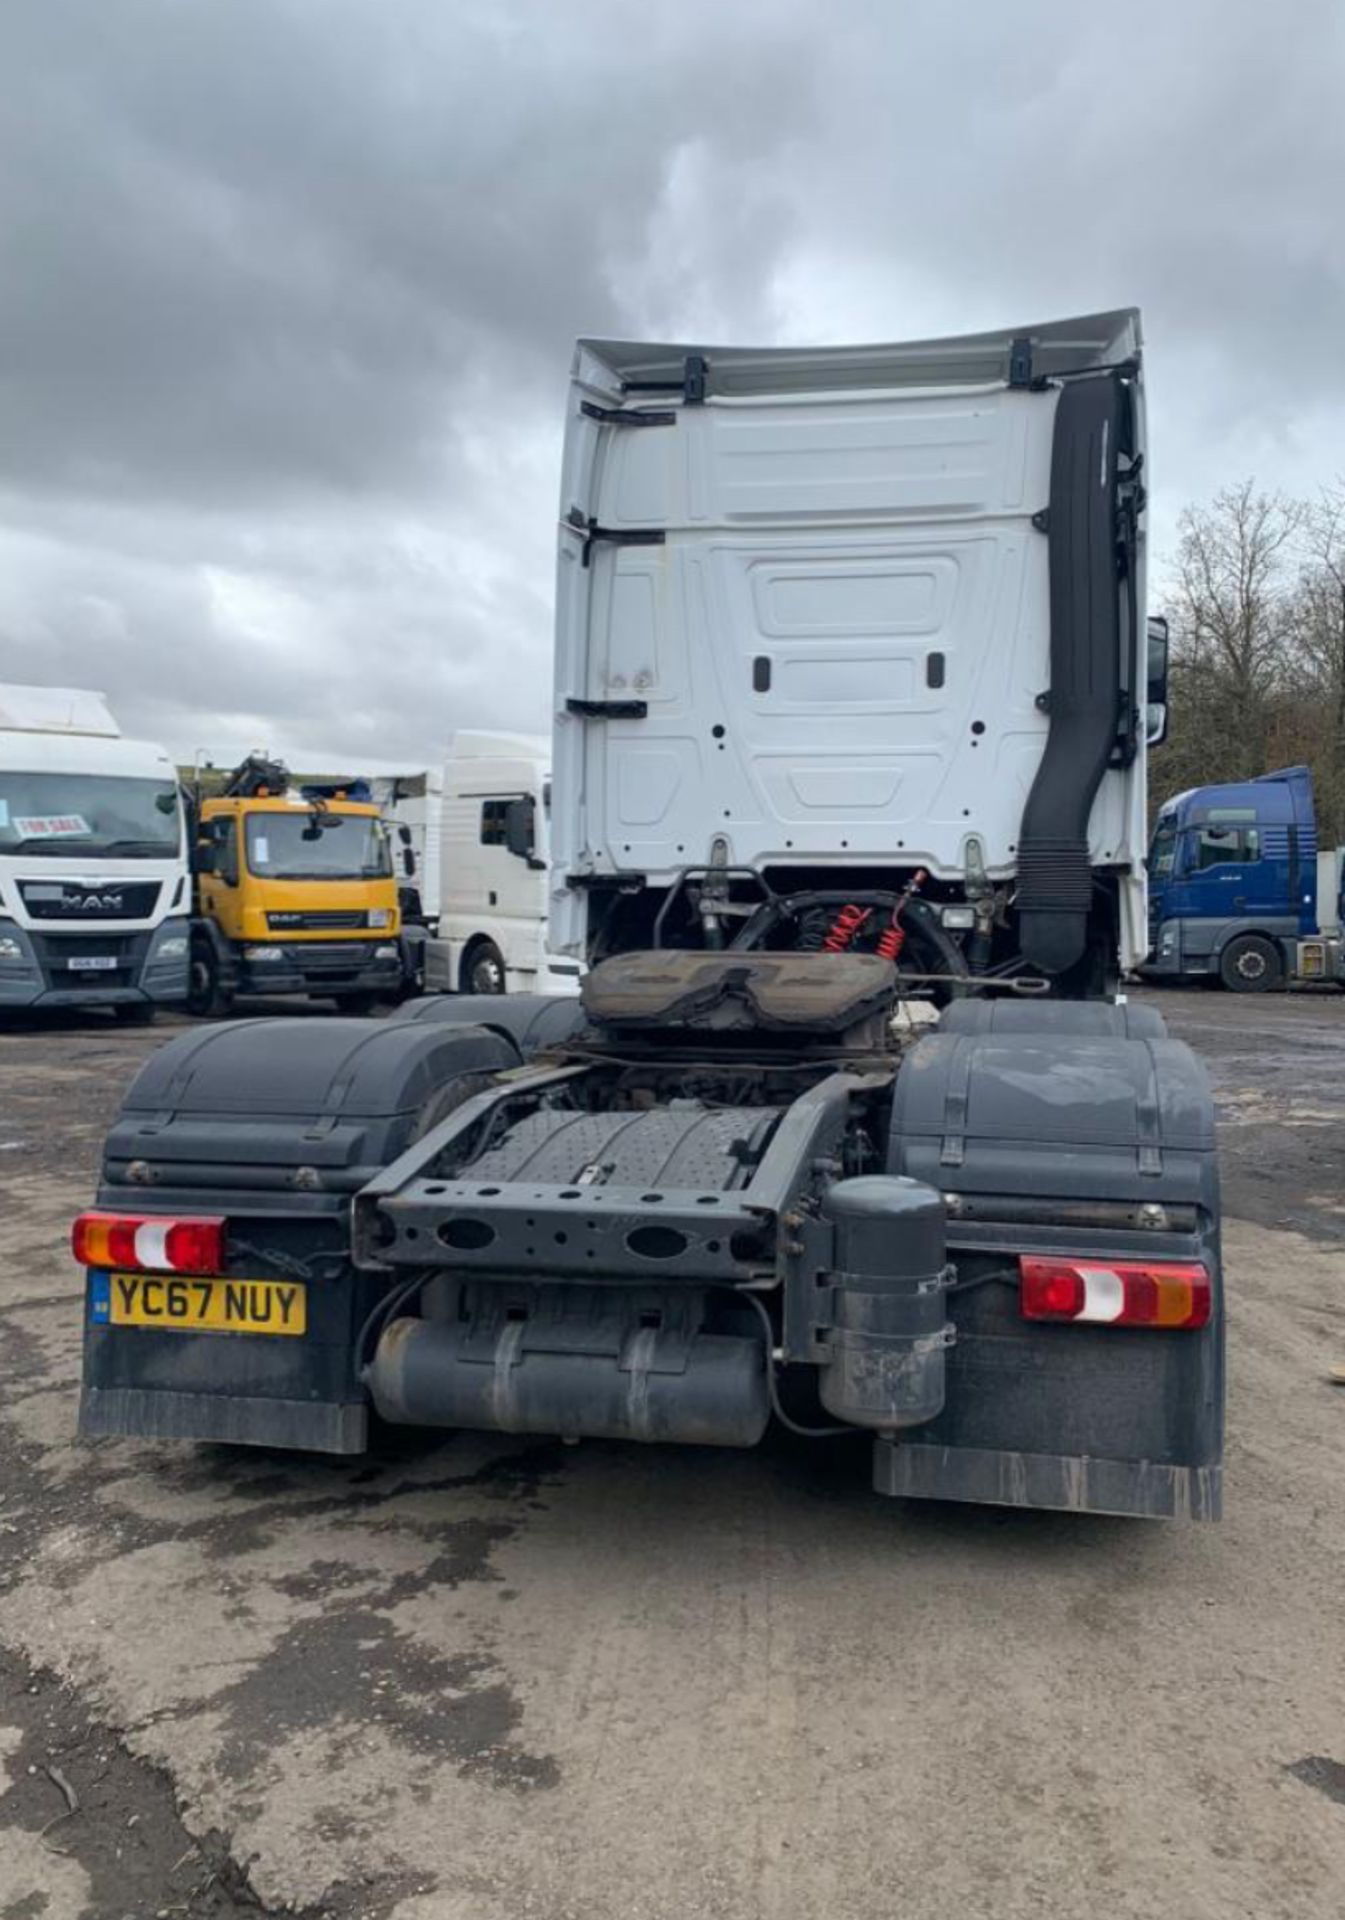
x=412, y=803
x=95, y=897
x=849, y=710
x=492, y=845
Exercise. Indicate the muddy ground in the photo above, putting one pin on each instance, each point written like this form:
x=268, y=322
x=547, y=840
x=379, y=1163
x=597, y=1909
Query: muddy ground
x=486, y=1680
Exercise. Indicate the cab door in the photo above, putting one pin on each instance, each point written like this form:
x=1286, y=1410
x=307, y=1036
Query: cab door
x=1227, y=874
x=219, y=870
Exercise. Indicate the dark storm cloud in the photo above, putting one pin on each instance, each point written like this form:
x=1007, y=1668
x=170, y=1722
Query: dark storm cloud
x=1186, y=157
x=288, y=287
x=271, y=245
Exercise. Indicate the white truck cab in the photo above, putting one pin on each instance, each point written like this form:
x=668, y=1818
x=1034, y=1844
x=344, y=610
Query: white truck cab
x=95, y=896
x=493, y=851
x=811, y=639
x=412, y=802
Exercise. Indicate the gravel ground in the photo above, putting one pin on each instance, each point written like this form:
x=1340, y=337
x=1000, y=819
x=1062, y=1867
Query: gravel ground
x=487, y=1680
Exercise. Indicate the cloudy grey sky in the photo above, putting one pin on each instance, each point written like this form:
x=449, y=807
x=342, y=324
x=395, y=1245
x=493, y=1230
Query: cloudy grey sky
x=288, y=288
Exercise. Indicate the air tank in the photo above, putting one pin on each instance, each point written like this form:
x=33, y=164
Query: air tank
x=890, y=1329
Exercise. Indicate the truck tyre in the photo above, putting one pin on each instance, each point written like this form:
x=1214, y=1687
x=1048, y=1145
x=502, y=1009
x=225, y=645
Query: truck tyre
x=360, y=1004
x=1251, y=964
x=132, y=1013
x=207, y=997
x=482, y=969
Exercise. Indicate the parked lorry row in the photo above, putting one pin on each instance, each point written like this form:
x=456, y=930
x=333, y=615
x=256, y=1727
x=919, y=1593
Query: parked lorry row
x=260, y=892
x=122, y=887
x=852, y=700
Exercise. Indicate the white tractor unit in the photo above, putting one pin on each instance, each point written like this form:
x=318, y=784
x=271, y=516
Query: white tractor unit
x=853, y=687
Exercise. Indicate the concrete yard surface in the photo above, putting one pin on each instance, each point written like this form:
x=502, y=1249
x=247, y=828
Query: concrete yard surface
x=485, y=1679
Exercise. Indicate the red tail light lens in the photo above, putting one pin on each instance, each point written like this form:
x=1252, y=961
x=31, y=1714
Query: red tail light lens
x=1115, y=1293
x=153, y=1243
x=194, y=1246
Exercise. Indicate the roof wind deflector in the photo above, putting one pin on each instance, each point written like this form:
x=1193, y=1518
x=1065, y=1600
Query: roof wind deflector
x=691, y=386
x=1055, y=880
x=1089, y=344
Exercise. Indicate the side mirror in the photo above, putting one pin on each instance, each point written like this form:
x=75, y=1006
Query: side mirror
x=408, y=862
x=1156, y=684
x=520, y=827
x=217, y=853
x=404, y=835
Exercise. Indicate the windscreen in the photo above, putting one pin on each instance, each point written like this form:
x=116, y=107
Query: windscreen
x=1162, y=849
x=322, y=846
x=97, y=816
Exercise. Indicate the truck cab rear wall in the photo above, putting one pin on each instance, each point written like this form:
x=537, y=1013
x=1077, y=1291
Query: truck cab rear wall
x=778, y=641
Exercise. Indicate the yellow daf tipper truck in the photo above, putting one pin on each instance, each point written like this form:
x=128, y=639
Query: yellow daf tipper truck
x=294, y=892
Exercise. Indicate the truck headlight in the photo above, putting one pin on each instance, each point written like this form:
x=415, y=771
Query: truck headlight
x=385, y=953
x=263, y=954
x=10, y=948
x=378, y=916
x=170, y=948
x=958, y=917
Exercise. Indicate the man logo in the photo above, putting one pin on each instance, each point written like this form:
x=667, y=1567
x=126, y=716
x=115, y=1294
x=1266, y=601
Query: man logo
x=91, y=899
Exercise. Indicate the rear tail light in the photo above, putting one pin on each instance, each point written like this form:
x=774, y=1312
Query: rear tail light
x=153, y=1243
x=1115, y=1293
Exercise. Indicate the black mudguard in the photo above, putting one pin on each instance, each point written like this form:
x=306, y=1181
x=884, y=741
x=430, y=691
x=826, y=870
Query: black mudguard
x=532, y=1021
x=1026, y=1114
x=276, y=1124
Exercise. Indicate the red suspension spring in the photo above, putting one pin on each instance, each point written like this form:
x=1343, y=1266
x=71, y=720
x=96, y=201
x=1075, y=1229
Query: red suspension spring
x=893, y=937
x=891, y=941
x=844, y=928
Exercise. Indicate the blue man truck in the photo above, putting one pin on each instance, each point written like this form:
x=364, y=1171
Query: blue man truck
x=1238, y=891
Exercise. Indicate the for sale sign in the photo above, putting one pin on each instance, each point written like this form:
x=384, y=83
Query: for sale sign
x=51, y=826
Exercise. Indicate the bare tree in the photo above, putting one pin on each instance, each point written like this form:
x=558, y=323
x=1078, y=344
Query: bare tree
x=1256, y=598
x=1230, y=596
x=1319, y=631
x=1234, y=628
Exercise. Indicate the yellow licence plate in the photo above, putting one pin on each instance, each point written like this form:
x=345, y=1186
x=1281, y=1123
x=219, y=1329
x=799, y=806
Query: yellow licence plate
x=172, y=1301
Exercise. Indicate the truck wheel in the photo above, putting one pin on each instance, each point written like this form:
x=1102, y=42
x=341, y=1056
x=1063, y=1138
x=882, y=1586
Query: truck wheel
x=357, y=1003
x=1251, y=964
x=131, y=1013
x=206, y=997
x=483, y=969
